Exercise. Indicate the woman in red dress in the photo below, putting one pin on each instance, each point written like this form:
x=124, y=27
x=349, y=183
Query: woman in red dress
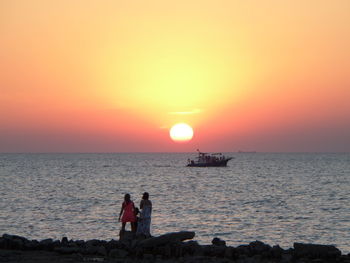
x=128, y=212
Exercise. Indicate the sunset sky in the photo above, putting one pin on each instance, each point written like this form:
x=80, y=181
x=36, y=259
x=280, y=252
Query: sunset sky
x=115, y=76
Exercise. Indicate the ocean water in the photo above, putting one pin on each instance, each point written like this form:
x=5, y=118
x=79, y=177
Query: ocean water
x=274, y=198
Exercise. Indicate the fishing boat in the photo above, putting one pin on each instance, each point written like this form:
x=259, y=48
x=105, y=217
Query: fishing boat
x=209, y=160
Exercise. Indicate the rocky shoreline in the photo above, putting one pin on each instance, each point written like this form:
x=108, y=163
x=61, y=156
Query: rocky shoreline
x=171, y=247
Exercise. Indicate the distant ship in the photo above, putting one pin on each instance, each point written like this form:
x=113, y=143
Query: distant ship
x=209, y=160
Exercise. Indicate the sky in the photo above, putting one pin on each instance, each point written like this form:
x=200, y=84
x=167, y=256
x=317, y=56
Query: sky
x=115, y=76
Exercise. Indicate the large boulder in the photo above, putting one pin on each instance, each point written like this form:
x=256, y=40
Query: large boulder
x=112, y=244
x=126, y=235
x=93, y=243
x=276, y=252
x=126, y=238
x=64, y=241
x=167, y=239
x=67, y=250
x=102, y=251
x=118, y=253
x=231, y=253
x=13, y=242
x=78, y=243
x=315, y=251
x=32, y=245
x=48, y=244
x=11, y=237
x=259, y=248
x=2, y=243
x=214, y=250
x=192, y=247
x=218, y=242
x=244, y=250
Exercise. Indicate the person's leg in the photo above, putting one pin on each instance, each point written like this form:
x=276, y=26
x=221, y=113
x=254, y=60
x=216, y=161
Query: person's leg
x=147, y=227
x=139, y=227
x=123, y=226
x=133, y=228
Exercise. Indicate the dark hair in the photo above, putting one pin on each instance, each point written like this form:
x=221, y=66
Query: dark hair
x=145, y=196
x=127, y=197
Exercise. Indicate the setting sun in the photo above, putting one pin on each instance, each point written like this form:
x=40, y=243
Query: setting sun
x=115, y=76
x=181, y=132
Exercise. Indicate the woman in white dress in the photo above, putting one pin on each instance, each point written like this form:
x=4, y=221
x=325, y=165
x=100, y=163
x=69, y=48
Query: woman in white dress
x=144, y=223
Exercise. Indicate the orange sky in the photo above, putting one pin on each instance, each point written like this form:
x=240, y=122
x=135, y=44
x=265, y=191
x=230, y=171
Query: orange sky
x=114, y=76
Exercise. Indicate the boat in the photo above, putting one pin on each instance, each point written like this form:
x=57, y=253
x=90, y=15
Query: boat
x=209, y=160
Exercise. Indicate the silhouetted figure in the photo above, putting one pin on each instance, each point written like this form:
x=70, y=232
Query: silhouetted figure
x=137, y=212
x=144, y=224
x=127, y=213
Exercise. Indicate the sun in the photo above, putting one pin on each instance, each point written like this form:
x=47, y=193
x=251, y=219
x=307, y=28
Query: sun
x=181, y=132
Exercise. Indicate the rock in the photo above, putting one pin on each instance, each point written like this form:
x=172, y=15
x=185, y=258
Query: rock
x=258, y=247
x=14, y=244
x=218, y=242
x=167, y=238
x=67, y=250
x=214, y=251
x=170, y=247
x=126, y=235
x=93, y=242
x=72, y=243
x=276, y=252
x=257, y=258
x=78, y=257
x=2, y=243
x=56, y=243
x=118, y=253
x=91, y=250
x=148, y=257
x=12, y=237
x=158, y=258
x=112, y=244
x=126, y=238
x=170, y=250
x=134, y=244
x=138, y=252
x=190, y=247
x=243, y=250
x=13, y=241
x=314, y=251
x=64, y=241
x=178, y=251
x=47, y=244
x=165, y=251
x=10, y=255
x=79, y=243
x=32, y=245
x=344, y=258
x=230, y=253
x=286, y=257
x=102, y=251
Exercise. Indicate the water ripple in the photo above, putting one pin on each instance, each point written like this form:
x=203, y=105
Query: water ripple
x=276, y=198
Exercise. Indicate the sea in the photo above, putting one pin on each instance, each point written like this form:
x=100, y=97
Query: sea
x=277, y=198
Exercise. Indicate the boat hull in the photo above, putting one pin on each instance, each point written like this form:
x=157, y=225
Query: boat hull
x=221, y=163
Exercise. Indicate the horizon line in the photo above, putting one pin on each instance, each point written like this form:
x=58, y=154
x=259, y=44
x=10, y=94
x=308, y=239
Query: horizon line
x=155, y=152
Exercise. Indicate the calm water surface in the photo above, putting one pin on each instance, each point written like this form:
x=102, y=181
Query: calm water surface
x=275, y=198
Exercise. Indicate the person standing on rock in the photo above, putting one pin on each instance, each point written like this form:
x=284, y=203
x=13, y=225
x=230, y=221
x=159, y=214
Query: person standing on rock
x=144, y=224
x=128, y=212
